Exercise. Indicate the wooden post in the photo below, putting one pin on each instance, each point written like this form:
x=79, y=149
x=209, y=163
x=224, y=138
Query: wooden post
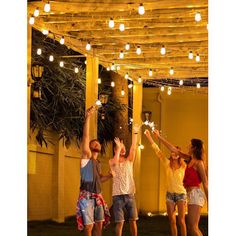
x=137, y=119
x=92, y=67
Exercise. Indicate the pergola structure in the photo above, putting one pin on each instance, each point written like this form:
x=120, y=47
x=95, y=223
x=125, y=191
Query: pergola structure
x=169, y=23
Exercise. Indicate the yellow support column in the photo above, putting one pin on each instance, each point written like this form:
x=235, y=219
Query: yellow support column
x=92, y=67
x=137, y=119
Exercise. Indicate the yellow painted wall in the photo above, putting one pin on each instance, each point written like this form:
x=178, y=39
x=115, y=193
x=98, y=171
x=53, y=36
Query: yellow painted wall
x=181, y=116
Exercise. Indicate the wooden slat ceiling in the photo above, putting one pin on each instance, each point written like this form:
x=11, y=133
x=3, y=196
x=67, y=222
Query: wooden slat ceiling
x=166, y=22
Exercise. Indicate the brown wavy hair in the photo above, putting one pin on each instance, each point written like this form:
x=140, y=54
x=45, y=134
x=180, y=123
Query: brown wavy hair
x=198, y=148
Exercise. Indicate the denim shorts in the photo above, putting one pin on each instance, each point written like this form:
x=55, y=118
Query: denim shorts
x=196, y=197
x=175, y=197
x=90, y=212
x=122, y=203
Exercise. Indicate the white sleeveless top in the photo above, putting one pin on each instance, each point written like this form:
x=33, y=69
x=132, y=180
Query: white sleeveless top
x=123, y=181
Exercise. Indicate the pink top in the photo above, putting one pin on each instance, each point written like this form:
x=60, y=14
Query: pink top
x=191, y=178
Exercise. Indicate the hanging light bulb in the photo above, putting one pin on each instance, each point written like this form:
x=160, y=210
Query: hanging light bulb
x=198, y=85
x=31, y=20
x=126, y=76
x=99, y=81
x=130, y=85
x=88, y=46
x=108, y=68
x=197, y=58
x=138, y=50
x=39, y=51
x=112, y=66
x=169, y=91
x=61, y=63
x=122, y=27
x=76, y=70
x=121, y=54
x=198, y=17
x=85, y=62
x=141, y=9
x=112, y=84
x=127, y=46
x=47, y=7
x=51, y=58
x=62, y=40
x=122, y=92
x=163, y=50
x=36, y=12
x=111, y=23
x=118, y=68
x=190, y=55
x=162, y=88
x=171, y=71
x=150, y=72
x=181, y=82
x=139, y=79
x=45, y=32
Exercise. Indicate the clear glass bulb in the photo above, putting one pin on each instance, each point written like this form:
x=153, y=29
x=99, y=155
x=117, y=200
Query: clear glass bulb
x=122, y=92
x=163, y=50
x=39, y=51
x=126, y=76
x=47, y=7
x=140, y=80
x=198, y=85
x=111, y=23
x=127, y=46
x=162, y=88
x=198, y=17
x=197, y=58
x=121, y=54
x=76, y=69
x=181, y=82
x=150, y=72
x=112, y=66
x=88, y=46
x=31, y=20
x=99, y=81
x=36, y=12
x=169, y=92
x=171, y=71
x=190, y=55
x=62, y=40
x=138, y=51
x=122, y=27
x=51, y=58
x=61, y=63
x=141, y=9
x=45, y=32
x=112, y=84
x=130, y=85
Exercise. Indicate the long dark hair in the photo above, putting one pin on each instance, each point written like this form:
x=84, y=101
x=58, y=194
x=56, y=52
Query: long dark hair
x=198, y=149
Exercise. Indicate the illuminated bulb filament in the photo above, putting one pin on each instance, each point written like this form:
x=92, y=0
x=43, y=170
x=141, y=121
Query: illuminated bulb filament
x=163, y=50
x=150, y=72
x=197, y=58
x=51, y=58
x=45, y=32
x=198, y=85
x=61, y=63
x=39, y=51
x=127, y=46
x=47, y=7
x=122, y=27
x=171, y=71
x=31, y=20
x=112, y=84
x=112, y=66
x=190, y=55
x=141, y=9
x=138, y=51
x=140, y=79
x=62, y=40
x=76, y=69
x=122, y=92
x=88, y=46
x=198, y=17
x=130, y=85
x=36, y=12
x=162, y=88
x=126, y=76
x=181, y=82
x=99, y=81
x=111, y=23
x=121, y=54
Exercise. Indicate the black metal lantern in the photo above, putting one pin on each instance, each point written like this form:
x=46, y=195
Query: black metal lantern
x=36, y=91
x=37, y=71
x=147, y=115
x=103, y=97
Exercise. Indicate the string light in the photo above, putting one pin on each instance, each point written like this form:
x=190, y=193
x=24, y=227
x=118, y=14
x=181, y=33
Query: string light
x=163, y=50
x=162, y=88
x=138, y=50
x=118, y=67
x=126, y=75
x=131, y=119
x=88, y=46
x=197, y=58
x=190, y=55
x=47, y=7
x=181, y=82
x=122, y=27
x=112, y=84
x=99, y=81
x=169, y=91
x=61, y=63
x=127, y=46
x=39, y=51
x=198, y=85
x=45, y=32
x=36, y=12
x=76, y=70
x=112, y=66
x=122, y=92
x=139, y=79
x=198, y=17
x=62, y=40
x=121, y=54
x=171, y=71
x=111, y=23
x=31, y=20
x=141, y=9
x=51, y=58
x=150, y=72
x=130, y=85
x=108, y=68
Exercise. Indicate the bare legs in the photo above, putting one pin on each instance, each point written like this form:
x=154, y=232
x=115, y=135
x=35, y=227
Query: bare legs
x=172, y=218
x=119, y=227
x=193, y=220
x=132, y=227
x=88, y=230
x=98, y=228
x=181, y=217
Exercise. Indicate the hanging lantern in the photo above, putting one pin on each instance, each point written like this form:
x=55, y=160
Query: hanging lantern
x=37, y=71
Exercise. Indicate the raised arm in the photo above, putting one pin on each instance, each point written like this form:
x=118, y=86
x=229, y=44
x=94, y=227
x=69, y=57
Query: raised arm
x=133, y=147
x=86, y=153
